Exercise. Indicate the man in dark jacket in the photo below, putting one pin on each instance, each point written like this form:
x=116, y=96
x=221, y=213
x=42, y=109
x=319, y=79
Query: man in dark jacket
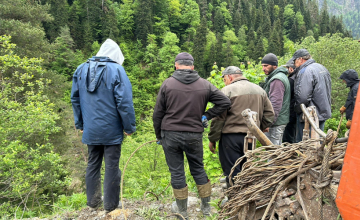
x=101, y=97
x=179, y=120
x=312, y=88
x=351, y=78
x=277, y=87
x=290, y=129
x=230, y=128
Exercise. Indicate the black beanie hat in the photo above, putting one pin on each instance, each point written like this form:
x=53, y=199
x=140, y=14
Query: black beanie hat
x=270, y=59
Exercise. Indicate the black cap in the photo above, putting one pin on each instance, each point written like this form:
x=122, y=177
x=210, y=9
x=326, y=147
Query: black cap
x=184, y=56
x=270, y=59
x=231, y=70
x=300, y=53
x=290, y=63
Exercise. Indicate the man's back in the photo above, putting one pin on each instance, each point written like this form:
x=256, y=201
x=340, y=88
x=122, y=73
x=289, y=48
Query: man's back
x=105, y=108
x=184, y=102
x=243, y=95
x=313, y=88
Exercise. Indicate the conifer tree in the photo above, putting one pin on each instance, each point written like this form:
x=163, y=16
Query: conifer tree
x=218, y=49
x=59, y=10
x=237, y=21
x=219, y=21
x=199, y=47
x=143, y=20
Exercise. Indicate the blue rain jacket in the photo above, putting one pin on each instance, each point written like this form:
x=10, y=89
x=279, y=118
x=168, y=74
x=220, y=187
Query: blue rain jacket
x=101, y=97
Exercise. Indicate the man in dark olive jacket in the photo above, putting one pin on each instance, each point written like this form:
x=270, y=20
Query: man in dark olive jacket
x=277, y=87
x=351, y=78
x=179, y=120
x=101, y=97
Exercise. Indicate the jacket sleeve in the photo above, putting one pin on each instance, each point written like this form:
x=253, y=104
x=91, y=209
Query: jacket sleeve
x=124, y=102
x=220, y=101
x=216, y=127
x=75, y=100
x=276, y=96
x=268, y=114
x=159, y=111
x=304, y=90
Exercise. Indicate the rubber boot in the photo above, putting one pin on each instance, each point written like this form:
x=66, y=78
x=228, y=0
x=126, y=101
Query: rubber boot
x=180, y=205
x=205, y=206
x=205, y=193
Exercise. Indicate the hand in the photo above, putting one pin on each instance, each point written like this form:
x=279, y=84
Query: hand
x=127, y=134
x=266, y=130
x=212, y=147
x=348, y=124
x=82, y=131
x=342, y=109
x=204, y=121
x=158, y=142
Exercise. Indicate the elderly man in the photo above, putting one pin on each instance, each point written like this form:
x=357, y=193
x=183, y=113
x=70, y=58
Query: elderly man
x=312, y=88
x=351, y=78
x=179, y=119
x=290, y=129
x=277, y=88
x=101, y=97
x=230, y=128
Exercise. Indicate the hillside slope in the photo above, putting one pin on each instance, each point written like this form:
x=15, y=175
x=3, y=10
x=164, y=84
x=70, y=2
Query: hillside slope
x=349, y=9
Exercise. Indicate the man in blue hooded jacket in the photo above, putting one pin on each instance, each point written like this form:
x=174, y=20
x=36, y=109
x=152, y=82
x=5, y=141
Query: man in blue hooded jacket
x=101, y=97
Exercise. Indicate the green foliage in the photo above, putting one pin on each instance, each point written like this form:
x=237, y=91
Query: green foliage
x=31, y=173
x=70, y=203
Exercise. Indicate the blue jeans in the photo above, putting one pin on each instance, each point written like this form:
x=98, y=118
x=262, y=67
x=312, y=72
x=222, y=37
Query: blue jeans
x=111, y=154
x=300, y=127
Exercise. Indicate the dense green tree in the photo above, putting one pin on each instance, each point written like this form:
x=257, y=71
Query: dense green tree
x=199, y=48
x=59, y=9
x=219, y=21
x=144, y=20
x=22, y=20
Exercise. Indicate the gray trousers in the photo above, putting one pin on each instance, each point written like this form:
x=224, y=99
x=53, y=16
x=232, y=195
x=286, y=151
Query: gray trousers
x=275, y=134
x=175, y=144
x=111, y=154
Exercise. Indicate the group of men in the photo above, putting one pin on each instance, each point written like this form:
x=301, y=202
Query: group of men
x=103, y=110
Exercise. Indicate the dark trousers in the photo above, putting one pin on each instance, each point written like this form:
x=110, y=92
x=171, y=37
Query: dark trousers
x=111, y=153
x=290, y=132
x=175, y=144
x=300, y=127
x=231, y=148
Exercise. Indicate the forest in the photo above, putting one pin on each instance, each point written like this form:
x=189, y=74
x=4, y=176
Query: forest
x=42, y=159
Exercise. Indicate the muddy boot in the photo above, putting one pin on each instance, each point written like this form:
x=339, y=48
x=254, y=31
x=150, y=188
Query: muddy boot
x=180, y=205
x=205, y=193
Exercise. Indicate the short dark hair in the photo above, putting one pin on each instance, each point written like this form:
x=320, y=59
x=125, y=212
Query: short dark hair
x=185, y=62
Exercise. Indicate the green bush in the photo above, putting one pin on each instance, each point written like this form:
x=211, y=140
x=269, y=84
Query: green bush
x=31, y=174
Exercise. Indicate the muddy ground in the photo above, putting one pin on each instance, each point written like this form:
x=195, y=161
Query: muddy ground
x=149, y=209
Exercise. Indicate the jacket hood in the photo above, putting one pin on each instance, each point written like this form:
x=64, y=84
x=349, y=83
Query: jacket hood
x=112, y=50
x=350, y=76
x=96, y=69
x=186, y=76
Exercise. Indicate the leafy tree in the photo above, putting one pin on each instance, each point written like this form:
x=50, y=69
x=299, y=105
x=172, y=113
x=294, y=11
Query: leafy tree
x=31, y=173
x=167, y=55
x=65, y=58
